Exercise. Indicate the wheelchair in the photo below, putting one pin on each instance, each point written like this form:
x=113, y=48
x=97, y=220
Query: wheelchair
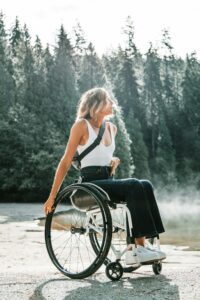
x=86, y=230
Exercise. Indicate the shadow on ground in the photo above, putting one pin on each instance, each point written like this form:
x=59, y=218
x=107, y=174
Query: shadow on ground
x=146, y=287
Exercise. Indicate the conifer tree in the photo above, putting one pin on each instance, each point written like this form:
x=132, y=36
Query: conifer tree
x=17, y=51
x=139, y=150
x=126, y=87
x=190, y=146
x=152, y=97
x=123, y=147
x=79, y=40
x=7, y=87
x=164, y=168
x=91, y=70
x=63, y=90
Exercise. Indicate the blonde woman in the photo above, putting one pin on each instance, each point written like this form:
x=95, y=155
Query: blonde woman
x=99, y=167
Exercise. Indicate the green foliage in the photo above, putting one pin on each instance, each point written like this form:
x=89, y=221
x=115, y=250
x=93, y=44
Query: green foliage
x=91, y=72
x=158, y=124
x=139, y=150
x=123, y=150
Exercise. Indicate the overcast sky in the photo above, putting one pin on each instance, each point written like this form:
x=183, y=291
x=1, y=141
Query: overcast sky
x=102, y=20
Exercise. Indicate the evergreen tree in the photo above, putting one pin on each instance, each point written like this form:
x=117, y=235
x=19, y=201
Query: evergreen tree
x=91, y=72
x=16, y=37
x=79, y=40
x=191, y=92
x=7, y=91
x=129, y=32
x=139, y=150
x=49, y=66
x=172, y=75
x=17, y=54
x=158, y=124
x=7, y=87
x=123, y=147
x=62, y=84
x=165, y=159
x=152, y=97
x=190, y=117
x=39, y=86
x=161, y=154
x=3, y=40
x=125, y=85
x=28, y=157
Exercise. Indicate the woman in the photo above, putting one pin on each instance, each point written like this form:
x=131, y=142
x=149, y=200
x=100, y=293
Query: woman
x=99, y=167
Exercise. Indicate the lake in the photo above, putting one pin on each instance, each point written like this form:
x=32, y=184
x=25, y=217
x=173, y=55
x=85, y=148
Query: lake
x=180, y=213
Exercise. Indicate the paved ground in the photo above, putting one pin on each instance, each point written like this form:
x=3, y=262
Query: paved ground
x=26, y=271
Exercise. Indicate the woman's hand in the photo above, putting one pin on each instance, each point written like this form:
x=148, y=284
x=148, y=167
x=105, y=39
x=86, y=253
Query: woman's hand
x=48, y=205
x=115, y=161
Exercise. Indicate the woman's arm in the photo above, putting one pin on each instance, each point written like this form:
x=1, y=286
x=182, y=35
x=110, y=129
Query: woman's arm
x=76, y=133
x=115, y=161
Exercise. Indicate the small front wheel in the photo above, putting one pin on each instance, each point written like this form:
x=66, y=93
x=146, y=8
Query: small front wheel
x=114, y=271
x=157, y=268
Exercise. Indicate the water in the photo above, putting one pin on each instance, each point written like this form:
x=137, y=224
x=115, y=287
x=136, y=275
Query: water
x=180, y=212
x=181, y=222
x=181, y=217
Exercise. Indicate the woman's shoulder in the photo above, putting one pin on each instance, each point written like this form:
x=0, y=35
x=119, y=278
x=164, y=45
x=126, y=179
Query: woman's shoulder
x=79, y=124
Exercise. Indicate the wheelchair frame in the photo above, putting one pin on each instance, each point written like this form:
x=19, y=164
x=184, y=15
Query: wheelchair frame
x=86, y=232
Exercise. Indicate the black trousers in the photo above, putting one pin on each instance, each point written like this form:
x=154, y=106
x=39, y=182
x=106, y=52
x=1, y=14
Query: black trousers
x=137, y=194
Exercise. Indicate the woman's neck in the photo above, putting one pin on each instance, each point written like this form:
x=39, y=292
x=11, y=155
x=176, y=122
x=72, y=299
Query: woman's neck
x=96, y=123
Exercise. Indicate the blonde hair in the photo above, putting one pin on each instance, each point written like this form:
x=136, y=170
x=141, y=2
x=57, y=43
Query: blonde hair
x=92, y=102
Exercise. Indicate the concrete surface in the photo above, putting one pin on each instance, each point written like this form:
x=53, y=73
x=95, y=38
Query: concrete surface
x=26, y=271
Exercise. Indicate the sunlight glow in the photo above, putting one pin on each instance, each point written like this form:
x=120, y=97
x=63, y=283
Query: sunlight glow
x=102, y=21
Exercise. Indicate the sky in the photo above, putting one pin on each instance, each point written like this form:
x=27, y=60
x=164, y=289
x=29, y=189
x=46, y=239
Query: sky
x=103, y=20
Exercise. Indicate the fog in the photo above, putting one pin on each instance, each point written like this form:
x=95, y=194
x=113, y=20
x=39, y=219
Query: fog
x=180, y=211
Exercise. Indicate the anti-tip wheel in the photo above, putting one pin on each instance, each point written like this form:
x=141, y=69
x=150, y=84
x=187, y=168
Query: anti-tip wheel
x=114, y=271
x=157, y=268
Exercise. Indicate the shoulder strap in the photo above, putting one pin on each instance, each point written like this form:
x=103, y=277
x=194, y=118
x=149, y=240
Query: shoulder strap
x=94, y=144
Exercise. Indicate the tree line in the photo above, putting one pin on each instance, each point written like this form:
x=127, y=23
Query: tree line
x=158, y=123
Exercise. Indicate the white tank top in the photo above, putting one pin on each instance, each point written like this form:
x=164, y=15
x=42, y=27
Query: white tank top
x=101, y=155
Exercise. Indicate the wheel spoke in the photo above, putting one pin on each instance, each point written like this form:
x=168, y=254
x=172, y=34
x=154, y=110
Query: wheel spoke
x=68, y=237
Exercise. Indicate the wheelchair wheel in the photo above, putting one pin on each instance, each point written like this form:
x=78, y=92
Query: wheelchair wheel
x=157, y=268
x=114, y=271
x=68, y=231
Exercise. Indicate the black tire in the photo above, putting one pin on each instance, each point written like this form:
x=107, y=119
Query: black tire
x=74, y=235
x=114, y=271
x=157, y=268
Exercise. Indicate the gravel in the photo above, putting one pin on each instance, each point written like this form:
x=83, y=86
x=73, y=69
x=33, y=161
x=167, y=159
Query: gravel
x=26, y=271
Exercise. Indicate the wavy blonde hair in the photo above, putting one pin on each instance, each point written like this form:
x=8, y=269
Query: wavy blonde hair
x=92, y=102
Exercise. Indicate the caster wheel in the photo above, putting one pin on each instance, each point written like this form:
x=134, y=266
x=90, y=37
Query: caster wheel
x=114, y=271
x=157, y=268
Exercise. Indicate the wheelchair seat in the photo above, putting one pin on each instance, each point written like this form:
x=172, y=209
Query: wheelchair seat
x=84, y=201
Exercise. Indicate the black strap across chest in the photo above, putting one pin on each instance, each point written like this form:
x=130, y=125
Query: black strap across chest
x=94, y=144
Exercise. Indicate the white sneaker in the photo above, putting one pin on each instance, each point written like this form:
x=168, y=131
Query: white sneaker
x=141, y=255
x=131, y=258
x=146, y=255
x=161, y=254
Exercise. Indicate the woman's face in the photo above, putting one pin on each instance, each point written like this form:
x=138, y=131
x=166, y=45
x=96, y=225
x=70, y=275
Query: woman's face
x=108, y=107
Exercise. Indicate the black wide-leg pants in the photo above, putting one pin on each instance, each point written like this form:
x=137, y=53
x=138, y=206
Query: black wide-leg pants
x=140, y=200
